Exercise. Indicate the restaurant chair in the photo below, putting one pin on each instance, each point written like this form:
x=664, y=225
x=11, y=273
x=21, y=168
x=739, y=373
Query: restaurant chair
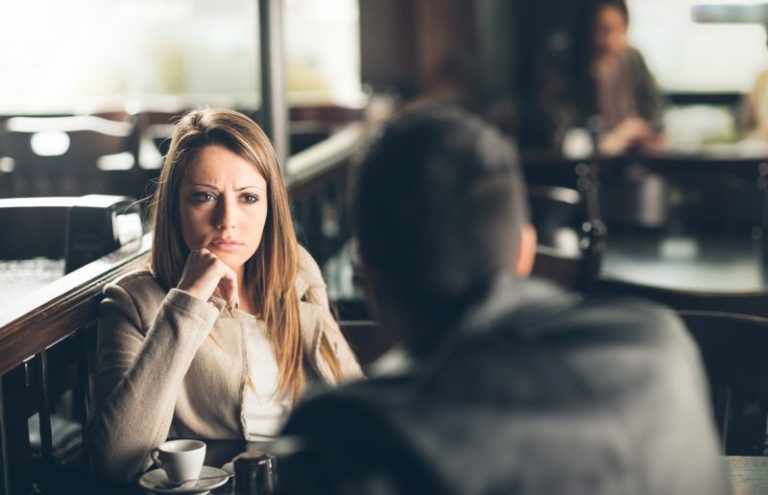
x=45, y=398
x=570, y=245
x=585, y=176
x=71, y=155
x=734, y=349
x=45, y=411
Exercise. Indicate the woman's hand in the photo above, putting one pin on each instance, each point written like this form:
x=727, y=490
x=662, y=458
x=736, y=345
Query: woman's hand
x=632, y=131
x=204, y=272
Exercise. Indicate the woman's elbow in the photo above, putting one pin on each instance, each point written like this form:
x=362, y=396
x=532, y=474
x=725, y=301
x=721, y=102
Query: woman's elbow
x=110, y=461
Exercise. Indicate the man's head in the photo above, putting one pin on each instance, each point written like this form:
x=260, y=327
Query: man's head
x=440, y=210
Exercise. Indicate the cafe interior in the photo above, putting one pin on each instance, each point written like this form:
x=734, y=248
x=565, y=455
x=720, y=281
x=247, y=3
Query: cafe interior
x=91, y=89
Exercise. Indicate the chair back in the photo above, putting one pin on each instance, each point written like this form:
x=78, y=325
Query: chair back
x=734, y=349
x=48, y=341
x=54, y=156
x=570, y=244
x=78, y=229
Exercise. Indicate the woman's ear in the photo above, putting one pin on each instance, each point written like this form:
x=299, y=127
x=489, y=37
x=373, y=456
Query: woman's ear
x=526, y=252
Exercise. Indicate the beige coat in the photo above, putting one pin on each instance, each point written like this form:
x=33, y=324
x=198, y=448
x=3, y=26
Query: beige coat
x=171, y=365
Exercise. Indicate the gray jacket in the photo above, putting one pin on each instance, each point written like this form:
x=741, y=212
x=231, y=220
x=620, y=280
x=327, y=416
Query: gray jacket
x=536, y=393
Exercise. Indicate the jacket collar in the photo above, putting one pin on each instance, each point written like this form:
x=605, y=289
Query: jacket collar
x=509, y=296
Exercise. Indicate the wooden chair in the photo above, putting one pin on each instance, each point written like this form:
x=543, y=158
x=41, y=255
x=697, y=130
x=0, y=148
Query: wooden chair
x=47, y=356
x=734, y=349
x=48, y=343
x=548, y=169
x=570, y=244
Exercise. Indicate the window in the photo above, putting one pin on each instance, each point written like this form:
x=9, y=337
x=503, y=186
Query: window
x=686, y=56
x=76, y=56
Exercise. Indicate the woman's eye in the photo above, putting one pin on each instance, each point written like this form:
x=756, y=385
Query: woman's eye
x=202, y=197
x=250, y=198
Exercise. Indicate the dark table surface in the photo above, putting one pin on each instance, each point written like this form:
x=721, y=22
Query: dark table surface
x=749, y=474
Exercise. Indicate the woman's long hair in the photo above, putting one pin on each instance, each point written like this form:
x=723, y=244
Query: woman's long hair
x=270, y=273
x=582, y=53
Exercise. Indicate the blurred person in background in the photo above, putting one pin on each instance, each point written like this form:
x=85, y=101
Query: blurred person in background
x=603, y=84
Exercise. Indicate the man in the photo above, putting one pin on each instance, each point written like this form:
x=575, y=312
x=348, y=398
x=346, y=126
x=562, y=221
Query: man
x=510, y=386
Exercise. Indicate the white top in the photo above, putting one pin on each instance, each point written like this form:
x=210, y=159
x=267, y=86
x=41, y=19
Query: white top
x=262, y=412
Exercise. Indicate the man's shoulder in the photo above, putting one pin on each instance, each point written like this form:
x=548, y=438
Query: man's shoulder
x=622, y=316
x=547, y=312
x=568, y=337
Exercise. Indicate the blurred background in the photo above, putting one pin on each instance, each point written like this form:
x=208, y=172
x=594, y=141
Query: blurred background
x=90, y=90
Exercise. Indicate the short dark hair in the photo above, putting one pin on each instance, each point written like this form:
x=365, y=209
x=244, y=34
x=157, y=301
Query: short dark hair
x=439, y=206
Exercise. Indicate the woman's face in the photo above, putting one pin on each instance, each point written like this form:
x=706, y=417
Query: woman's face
x=610, y=31
x=223, y=206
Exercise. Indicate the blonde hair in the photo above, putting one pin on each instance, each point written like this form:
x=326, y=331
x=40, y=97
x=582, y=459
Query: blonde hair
x=270, y=273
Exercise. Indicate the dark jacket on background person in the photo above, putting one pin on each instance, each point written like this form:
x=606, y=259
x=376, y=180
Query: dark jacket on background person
x=535, y=392
x=571, y=99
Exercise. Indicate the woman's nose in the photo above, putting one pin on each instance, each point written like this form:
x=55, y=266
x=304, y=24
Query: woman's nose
x=225, y=215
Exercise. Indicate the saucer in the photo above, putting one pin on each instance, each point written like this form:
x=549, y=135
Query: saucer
x=156, y=480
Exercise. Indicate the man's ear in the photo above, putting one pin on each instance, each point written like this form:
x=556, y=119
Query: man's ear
x=526, y=252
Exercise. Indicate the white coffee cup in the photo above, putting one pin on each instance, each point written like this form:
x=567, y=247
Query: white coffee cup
x=182, y=460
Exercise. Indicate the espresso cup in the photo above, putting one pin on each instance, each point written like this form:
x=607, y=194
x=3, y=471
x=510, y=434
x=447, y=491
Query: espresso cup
x=182, y=460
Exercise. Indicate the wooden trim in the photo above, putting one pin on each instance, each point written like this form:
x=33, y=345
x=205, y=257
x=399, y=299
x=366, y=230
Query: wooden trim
x=63, y=307
x=312, y=164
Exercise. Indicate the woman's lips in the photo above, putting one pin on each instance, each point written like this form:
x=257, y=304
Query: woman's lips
x=225, y=245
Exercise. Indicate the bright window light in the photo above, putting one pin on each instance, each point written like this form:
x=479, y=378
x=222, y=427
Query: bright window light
x=691, y=57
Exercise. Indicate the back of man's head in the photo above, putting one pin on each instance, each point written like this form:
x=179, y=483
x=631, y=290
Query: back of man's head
x=439, y=208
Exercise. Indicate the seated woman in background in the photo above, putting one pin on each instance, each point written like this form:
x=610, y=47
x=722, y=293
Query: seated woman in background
x=608, y=87
x=220, y=337
x=754, y=118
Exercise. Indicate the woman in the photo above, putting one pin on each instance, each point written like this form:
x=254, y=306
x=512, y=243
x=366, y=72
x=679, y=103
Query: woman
x=219, y=338
x=609, y=88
